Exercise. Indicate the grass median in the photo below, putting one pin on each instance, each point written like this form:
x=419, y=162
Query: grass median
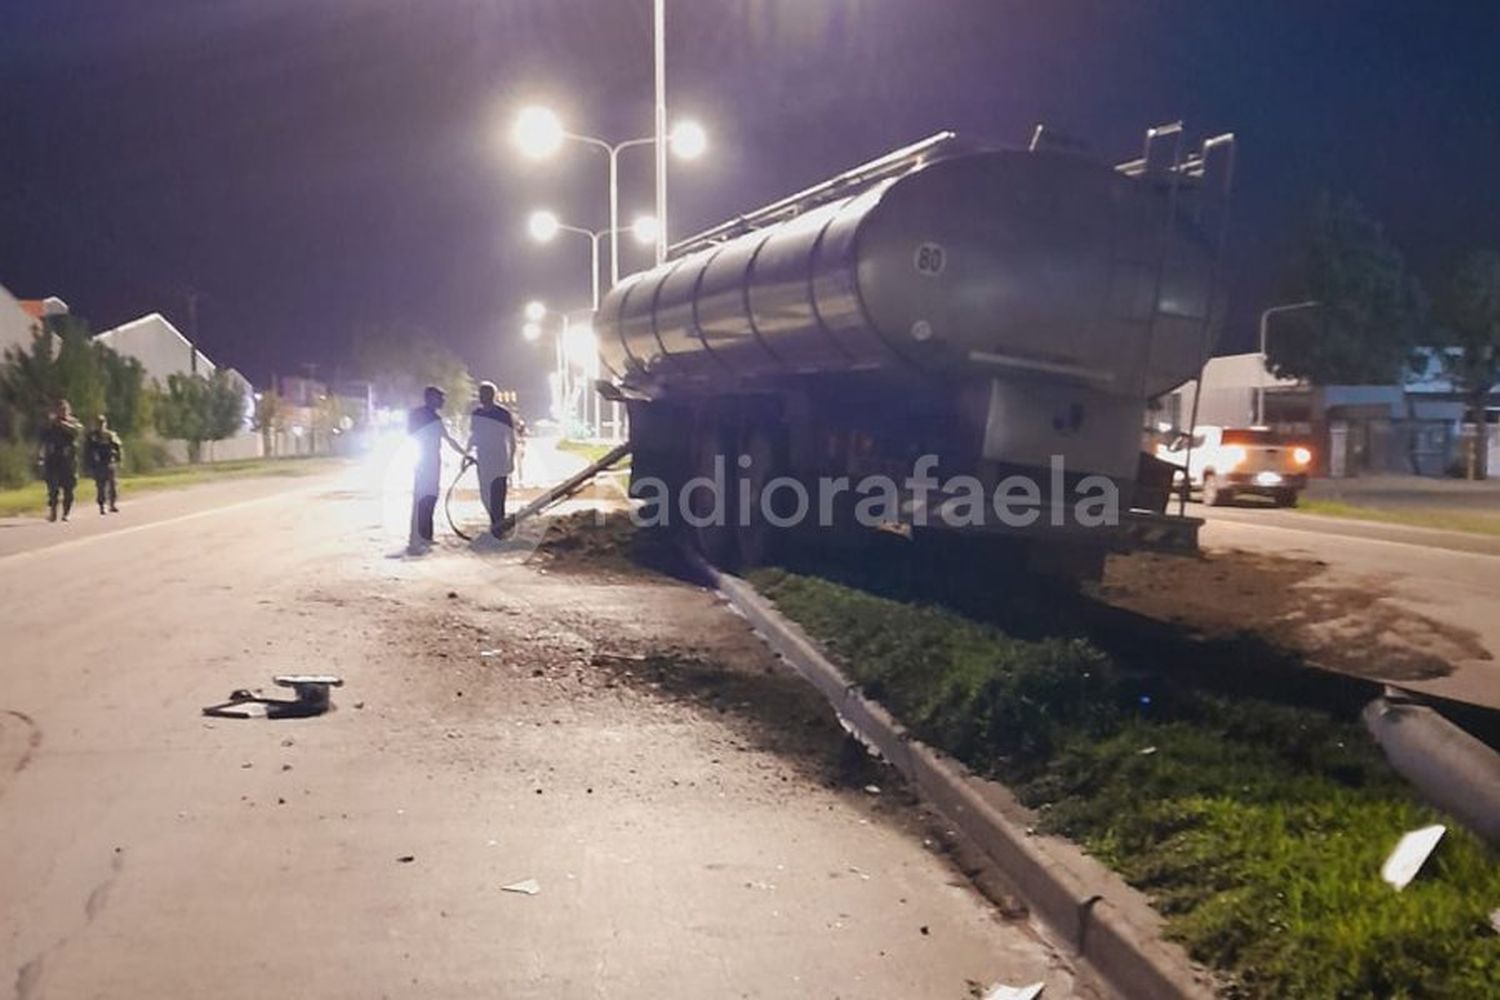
x=32, y=498
x=1258, y=829
x=1444, y=519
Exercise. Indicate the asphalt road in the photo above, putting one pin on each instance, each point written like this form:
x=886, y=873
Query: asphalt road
x=1450, y=577
x=620, y=739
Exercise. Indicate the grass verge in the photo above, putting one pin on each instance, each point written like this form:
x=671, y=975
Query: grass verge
x=1257, y=829
x=32, y=498
x=1447, y=520
x=590, y=451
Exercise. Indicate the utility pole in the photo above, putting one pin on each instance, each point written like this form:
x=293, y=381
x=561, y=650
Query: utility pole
x=192, y=305
x=661, y=130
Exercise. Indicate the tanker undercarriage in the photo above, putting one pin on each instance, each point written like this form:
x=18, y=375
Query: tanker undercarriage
x=750, y=476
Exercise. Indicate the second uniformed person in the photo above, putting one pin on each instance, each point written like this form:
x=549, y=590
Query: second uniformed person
x=101, y=456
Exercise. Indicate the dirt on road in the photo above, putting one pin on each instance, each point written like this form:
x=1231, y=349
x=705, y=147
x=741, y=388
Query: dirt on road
x=686, y=808
x=1348, y=625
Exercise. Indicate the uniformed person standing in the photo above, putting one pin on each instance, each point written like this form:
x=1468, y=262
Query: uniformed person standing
x=492, y=439
x=101, y=456
x=59, y=458
x=425, y=424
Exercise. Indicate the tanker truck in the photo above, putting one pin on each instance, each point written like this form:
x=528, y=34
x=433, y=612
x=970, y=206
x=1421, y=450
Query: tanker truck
x=948, y=341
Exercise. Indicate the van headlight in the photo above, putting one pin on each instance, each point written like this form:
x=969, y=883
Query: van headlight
x=1301, y=456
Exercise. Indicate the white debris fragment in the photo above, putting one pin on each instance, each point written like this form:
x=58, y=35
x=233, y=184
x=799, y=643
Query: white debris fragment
x=527, y=887
x=855, y=871
x=1495, y=919
x=1146, y=751
x=1410, y=854
x=999, y=991
x=872, y=789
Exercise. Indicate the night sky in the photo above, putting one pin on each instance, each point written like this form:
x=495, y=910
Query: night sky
x=312, y=166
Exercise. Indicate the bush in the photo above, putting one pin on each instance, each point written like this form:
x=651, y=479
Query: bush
x=17, y=464
x=144, y=454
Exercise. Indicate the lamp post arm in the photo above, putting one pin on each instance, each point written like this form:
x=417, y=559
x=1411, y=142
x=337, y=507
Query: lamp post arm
x=1265, y=330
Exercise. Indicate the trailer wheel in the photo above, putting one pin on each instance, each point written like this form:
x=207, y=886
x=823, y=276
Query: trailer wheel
x=709, y=514
x=757, y=538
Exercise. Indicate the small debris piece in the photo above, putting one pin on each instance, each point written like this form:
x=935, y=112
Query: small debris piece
x=489, y=652
x=452, y=595
x=359, y=705
x=526, y=887
x=407, y=859
x=1000, y=991
x=924, y=930
x=1495, y=919
x=855, y=871
x=872, y=789
x=1411, y=852
x=247, y=764
x=1146, y=751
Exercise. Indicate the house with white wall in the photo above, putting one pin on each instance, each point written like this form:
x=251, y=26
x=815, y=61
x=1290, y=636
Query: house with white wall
x=163, y=351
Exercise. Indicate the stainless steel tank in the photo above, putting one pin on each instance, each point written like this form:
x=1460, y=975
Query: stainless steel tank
x=1006, y=263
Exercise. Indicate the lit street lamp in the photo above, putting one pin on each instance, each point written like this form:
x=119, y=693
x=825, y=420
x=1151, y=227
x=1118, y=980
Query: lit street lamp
x=1265, y=329
x=544, y=227
x=539, y=134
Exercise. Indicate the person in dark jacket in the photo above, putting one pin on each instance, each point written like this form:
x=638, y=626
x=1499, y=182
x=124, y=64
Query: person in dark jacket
x=101, y=457
x=425, y=425
x=59, y=458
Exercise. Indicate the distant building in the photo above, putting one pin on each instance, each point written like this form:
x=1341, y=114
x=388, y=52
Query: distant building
x=159, y=346
x=1419, y=426
x=21, y=319
x=163, y=351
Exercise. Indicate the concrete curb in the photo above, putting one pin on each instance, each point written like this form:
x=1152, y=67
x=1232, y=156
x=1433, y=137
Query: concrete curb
x=1110, y=925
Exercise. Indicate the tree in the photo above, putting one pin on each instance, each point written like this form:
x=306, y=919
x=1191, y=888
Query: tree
x=1471, y=317
x=65, y=362
x=1372, y=308
x=269, y=419
x=197, y=409
x=400, y=361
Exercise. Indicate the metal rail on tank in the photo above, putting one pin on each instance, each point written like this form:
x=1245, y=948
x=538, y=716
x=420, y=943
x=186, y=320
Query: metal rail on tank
x=1021, y=304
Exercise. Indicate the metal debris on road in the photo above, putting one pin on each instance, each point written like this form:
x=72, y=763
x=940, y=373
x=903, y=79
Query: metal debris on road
x=1410, y=854
x=1000, y=991
x=526, y=887
x=407, y=859
x=312, y=697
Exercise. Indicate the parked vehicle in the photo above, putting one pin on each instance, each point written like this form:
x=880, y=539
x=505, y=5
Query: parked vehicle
x=1226, y=462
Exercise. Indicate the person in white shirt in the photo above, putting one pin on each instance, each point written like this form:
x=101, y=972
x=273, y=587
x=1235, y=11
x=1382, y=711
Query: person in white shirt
x=492, y=439
x=425, y=425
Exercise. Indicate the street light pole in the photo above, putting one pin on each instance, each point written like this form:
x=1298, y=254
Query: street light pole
x=1265, y=329
x=661, y=131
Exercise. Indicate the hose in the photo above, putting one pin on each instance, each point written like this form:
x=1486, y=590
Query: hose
x=448, y=499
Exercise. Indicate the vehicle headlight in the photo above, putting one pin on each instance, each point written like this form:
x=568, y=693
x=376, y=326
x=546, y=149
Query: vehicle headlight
x=1233, y=455
x=1301, y=455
